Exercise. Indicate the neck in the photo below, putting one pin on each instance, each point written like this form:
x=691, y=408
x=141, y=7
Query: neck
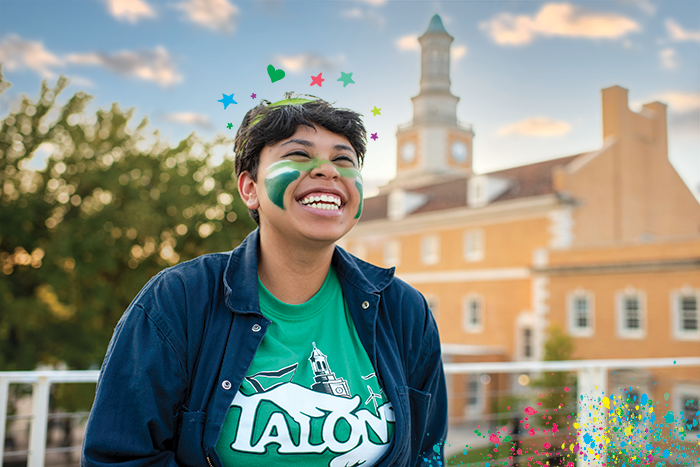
x=291, y=270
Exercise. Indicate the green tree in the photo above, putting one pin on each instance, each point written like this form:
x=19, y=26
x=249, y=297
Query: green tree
x=558, y=346
x=114, y=205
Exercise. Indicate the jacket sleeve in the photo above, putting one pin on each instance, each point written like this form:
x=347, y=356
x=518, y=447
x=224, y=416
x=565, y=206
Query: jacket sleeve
x=140, y=390
x=429, y=377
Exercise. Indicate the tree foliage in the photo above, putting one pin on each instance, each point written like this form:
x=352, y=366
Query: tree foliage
x=559, y=346
x=114, y=205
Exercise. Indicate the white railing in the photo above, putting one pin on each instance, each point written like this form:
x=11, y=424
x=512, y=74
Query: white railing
x=592, y=382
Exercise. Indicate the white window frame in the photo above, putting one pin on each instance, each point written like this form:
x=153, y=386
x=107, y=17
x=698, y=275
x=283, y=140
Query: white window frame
x=430, y=249
x=680, y=392
x=572, y=317
x=466, y=313
x=392, y=252
x=676, y=314
x=622, y=331
x=474, y=238
x=478, y=408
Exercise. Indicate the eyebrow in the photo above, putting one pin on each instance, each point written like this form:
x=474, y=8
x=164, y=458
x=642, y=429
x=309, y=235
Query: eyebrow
x=307, y=143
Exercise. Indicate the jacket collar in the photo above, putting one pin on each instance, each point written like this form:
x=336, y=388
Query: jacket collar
x=241, y=275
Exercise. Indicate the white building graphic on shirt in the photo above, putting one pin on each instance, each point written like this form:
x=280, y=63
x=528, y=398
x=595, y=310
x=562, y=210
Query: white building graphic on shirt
x=325, y=380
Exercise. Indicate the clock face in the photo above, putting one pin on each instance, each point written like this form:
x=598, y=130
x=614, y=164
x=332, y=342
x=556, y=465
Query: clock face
x=408, y=152
x=459, y=152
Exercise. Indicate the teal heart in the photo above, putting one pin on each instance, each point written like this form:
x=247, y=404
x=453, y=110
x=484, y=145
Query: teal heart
x=275, y=75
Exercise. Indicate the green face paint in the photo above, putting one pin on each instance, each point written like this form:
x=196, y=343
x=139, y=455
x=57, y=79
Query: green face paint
x=281, y=174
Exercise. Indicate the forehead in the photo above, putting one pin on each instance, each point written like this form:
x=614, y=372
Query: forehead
x=318, y=136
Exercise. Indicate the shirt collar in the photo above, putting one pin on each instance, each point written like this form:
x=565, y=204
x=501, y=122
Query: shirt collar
x=241, y=275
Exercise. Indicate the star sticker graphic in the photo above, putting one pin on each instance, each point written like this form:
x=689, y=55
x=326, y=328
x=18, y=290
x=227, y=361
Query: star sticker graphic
x=229, y=126
x=227, y=100
x=346, y=78
x=375, y=111
x=317, y=80
x=253, y=95
x=374, y=136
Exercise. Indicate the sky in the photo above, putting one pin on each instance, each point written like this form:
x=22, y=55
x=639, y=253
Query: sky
x=528, y=74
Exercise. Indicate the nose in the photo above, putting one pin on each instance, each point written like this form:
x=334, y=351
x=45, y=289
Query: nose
x=325, y=170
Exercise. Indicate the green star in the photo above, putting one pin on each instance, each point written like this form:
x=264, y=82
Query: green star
x=346, y=78
x=229, y=126
x=375, y=111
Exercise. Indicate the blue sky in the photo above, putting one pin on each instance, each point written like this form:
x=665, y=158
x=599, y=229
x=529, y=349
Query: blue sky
x=528, y=73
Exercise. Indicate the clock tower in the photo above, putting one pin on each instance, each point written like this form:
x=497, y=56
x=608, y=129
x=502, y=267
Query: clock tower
x=434, y=143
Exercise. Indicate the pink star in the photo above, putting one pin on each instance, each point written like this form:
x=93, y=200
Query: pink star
x=374, y=136
x=317, y=80
x=253, y=95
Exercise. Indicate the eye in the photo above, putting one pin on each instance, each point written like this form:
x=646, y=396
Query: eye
x=344, y=160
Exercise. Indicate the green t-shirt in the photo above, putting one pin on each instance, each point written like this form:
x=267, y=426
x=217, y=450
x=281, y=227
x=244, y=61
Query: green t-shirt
x=311, y=396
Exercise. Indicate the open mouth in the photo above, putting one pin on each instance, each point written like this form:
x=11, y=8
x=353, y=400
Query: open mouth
x=325, y=201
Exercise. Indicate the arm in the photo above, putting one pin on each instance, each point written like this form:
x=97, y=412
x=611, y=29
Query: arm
x=139, y=393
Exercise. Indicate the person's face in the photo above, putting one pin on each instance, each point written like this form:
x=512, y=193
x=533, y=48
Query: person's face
x=308, y=185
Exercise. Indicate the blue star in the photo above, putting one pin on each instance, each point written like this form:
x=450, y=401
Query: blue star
x=227, y=100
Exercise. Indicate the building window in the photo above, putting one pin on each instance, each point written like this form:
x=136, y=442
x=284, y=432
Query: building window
x=473, y=315
x=527, y=343
x=430, y=249
x=687, y=403
x=474, y=245
x=686, y=314
x=433, y=304
x=631, y=314
x=359, y=249
x=475, y=395
x=580, y=313
x=392, y=253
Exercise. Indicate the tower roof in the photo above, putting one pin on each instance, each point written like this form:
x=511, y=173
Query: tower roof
x=435, y=25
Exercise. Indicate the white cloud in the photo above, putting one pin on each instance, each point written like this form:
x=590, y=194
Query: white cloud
x=557, y=19
x=668, y=59
x=677, y=33
x=678, y=101
x=189, y=118
x=375, y=2
x=408, y=42
x=149, y=65
x=458, y=52
x=18, y=54
x=217, y=15
x=536, y=126
x=308, y=62
x=130, y=10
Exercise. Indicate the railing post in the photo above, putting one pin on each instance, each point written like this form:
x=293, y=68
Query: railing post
x=40, y=420
x=591, y=417
x=4, y=393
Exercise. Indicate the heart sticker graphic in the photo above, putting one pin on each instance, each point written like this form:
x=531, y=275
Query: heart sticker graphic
x=275, y=75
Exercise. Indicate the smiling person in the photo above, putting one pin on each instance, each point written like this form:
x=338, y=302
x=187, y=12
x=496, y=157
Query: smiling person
x=287, y=350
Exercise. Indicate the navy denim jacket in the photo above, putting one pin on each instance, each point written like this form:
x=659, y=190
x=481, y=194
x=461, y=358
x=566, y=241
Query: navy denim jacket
x=182, y=348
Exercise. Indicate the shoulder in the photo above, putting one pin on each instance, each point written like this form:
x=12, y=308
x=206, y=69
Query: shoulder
x=202, y=273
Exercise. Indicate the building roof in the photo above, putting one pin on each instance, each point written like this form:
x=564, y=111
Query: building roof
x=435, y=25
x=525, y=181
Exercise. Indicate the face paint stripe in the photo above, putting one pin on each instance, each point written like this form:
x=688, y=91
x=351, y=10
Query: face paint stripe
x=276, y=186
x=282, y=173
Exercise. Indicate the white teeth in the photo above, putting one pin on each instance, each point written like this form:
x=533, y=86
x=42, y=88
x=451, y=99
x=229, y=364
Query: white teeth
x=324, y=198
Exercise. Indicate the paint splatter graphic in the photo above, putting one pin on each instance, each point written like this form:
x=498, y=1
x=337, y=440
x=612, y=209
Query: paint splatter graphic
x=619, y=430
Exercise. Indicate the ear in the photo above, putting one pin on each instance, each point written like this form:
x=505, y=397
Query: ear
x=248, y=190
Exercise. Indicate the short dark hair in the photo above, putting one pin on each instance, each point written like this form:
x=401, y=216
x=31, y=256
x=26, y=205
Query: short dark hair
x=271, y=124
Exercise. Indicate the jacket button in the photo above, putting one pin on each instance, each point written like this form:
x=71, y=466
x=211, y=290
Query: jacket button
x=226, y=384
x=365, y=305
x=256, y=328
